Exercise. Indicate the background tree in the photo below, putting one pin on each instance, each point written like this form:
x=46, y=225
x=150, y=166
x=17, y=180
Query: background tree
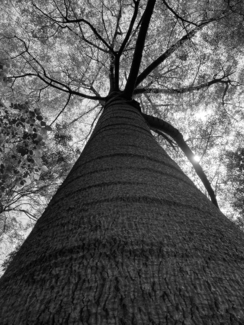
x=234, y=179
x=128, y=219
x=32, y=166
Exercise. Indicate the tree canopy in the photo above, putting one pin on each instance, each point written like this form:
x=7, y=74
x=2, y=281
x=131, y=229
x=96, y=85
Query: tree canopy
x=60, y=60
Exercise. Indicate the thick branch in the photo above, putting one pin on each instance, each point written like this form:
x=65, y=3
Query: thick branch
x=54, y=83
x=45, y=78
x=81, y=20
x=129, y=29
x=130, y=85
x=115, y=59
x=128, y=34
x=112, y=79
x=171, y=142
x=159, y=124
x=51, y=82
x=180, y=90
x=66, y=21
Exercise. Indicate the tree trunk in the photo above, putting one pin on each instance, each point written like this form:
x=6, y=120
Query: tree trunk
x=127, y=239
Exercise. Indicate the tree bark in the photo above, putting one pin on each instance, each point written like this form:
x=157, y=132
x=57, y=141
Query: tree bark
x=127, y=239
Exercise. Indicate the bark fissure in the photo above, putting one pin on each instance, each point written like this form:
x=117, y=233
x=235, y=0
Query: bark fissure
x=120, y=126
x=155, y=171
x=129, y=155
x=117, y=247
x=139, y=199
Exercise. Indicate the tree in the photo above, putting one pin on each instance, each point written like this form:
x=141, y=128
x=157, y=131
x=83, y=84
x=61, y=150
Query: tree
x=23, y=134
x=27, y=156
x=10, y=257
x=127, y=238
x=235, y=165
x=33, y=164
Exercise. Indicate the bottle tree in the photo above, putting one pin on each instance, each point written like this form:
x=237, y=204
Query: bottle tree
x=127, y=238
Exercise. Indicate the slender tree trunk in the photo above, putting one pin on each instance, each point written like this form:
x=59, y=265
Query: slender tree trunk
x=127, y=239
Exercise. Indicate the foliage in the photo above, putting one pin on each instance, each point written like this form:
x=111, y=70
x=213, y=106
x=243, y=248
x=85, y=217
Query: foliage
x=235, y=178
x=10, y=257
x=23, y=134
x=32, y=167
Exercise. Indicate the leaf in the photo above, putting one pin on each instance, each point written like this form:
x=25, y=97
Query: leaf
x=48, y=128
x=44, y=168
x=36, y=176
x=28, y=180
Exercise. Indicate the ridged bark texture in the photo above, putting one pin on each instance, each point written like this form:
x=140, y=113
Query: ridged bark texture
x=127, y=239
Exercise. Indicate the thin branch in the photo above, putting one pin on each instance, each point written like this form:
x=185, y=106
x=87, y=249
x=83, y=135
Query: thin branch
x=60, y=24
x=81, y=20
x=92, y=125
x=132, y=22
x=206, y=146
x=117, y=28
x=169, y=52
x=104, y=24
x=130, y=86
x=82, y=115
x=180, y=90
x=50, y=82
x=86, y=40
x=177, y=16
x=28, y=214
x=159, y=124
x=61, y=110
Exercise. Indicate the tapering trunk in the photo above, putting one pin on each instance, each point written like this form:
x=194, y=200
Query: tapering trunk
x=127, y=239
